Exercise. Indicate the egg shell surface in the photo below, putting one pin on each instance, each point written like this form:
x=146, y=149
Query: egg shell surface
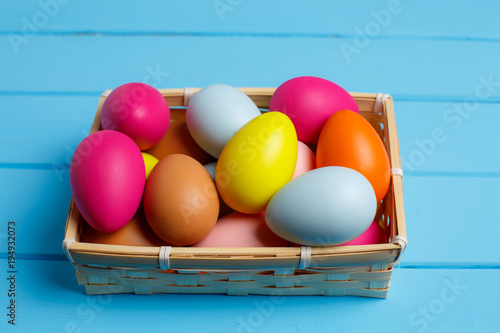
x=306, y=160
x=107, y=177
x=138, y=110
x=224, y=209
x=215, y=113
x=180, y=200
x=178, y=140
x=256, y=162
x=149, y=161
x=136, y=232
x=309, y=101
x=242, y=230
x=375, y=234
x=349, y=140
x=323, y=207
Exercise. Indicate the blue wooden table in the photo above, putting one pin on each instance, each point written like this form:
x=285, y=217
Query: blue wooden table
x=439, y=60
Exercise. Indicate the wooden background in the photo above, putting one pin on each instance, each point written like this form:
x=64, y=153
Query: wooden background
x=439, y=60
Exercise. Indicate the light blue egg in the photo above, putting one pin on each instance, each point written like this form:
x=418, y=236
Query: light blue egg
x=215, y=113
x=210, y=167
x=323, y=207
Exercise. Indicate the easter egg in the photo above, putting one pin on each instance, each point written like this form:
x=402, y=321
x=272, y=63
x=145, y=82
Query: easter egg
x=224, y=209
x=373, y=235
x=306, y=160
x=242, y=230
x=215, y=113
x=347, y=139
x=137, y=110
x=178, y=140
x=256, y=162
x=309, y=101
x=323, y=207
x=135, y=233
x=107, y=179
x=180, y=200
x=150, y=162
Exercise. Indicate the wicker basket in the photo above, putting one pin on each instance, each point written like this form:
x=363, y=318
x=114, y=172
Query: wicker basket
x=332, y=271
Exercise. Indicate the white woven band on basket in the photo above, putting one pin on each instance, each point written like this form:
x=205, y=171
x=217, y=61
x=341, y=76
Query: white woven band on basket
x=188, y=93
x=65, y=244
x=379, y=101
x=164, y=257
x=305, y=257
x=397, y=172
x=402, y=241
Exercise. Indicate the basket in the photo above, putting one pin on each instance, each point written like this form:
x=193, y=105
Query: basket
x=331, y=271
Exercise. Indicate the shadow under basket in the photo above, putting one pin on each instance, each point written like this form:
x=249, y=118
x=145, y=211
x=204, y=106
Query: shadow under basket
x=331, y=271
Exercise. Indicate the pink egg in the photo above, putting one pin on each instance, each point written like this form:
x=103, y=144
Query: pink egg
x=242, y=230
x=139, y=111
x=309, y=101
x=373, y=235
x=107, y=179
x=306, y=160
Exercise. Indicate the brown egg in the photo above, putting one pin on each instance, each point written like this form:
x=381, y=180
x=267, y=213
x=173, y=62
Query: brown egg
x=135, y=233
x=180, y=200
x=178, y=140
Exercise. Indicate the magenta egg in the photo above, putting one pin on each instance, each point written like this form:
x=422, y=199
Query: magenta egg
x=107, y=179
x=309, y=101
x=373, y=235
x=139, y=111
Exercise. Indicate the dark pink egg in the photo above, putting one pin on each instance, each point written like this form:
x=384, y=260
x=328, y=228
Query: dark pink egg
x=139, y=111
x=309, y=101
x=107, y=178
x=373, y=235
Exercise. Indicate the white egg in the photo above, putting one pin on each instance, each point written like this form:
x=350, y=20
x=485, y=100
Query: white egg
x=215, y=113
x=323, y=207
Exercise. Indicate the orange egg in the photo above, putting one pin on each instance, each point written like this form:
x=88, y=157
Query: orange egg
x=349, y=140
x=135, y=233
x=180, y=200
x=178, y=140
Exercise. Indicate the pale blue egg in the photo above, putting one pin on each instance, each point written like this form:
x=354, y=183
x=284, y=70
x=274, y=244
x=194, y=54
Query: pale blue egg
x=210, y=167
x=215, y=113
x=323, y=207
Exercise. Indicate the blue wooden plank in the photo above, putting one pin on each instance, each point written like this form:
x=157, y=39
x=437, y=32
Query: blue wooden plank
x=43, y=129
x=322, y=18
x=451, y=221
x=48, y=300
x=449, y=137
x=38, y=202
x=70, y=64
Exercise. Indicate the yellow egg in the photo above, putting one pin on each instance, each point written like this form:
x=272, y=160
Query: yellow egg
x=256, y=162
x=150, y=162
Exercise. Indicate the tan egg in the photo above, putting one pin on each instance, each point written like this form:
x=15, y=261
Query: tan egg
x=135, y=233
x=178, y=140
x=180, y=200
